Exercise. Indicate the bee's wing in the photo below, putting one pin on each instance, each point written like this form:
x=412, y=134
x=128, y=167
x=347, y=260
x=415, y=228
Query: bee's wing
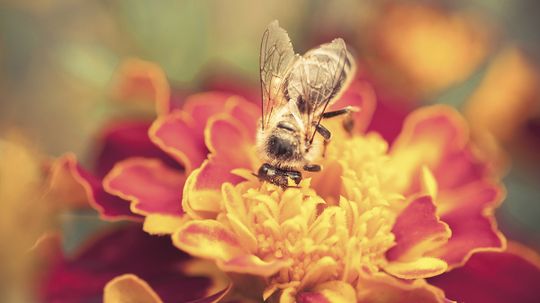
x=275, y=61
x=319, y=79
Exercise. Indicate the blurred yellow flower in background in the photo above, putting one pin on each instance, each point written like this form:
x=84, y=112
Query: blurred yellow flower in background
x=432, y=47
x=506, y=104
x=25, y=215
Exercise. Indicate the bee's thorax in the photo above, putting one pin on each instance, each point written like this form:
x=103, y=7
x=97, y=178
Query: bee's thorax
x=285, y=125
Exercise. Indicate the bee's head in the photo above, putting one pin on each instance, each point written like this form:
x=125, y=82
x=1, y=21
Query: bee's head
x=283, y=143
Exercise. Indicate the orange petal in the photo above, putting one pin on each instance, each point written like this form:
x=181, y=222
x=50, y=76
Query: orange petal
x=417, y=229
x=175, y=134
x=250, y=264
x=382, y=288
x=207, y=239
x=496, y=277
x=150, y=185
x=129, y=288
x=145, y=81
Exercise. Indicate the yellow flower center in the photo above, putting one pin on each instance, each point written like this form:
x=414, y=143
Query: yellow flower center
x=334, y=226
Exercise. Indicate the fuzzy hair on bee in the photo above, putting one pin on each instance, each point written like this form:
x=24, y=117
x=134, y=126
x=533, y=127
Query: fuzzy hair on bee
x=296, y=93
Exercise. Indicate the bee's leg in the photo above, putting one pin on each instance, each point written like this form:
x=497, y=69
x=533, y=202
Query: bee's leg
x=339, y=112
x=274, y=175
x=312, y=167
x=348, y=122
x=296, y=176
x=326, y=134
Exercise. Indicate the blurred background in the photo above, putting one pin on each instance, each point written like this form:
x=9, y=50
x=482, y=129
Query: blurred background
x=59, y=58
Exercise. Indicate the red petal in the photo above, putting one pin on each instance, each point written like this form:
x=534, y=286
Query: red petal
x=417, y=230
x=247, y=114
x=495, y=277
x=428, y=136
x=382, y=288
x=469, y=213
x=388, y=117
x=110, y=207
x=124, y=250
x=151, y=186
x=231, y=148
x=360, y=94
x=175, y=135
x=437, y=137
x=200, y=107
x=182, y=134
x=127, y=139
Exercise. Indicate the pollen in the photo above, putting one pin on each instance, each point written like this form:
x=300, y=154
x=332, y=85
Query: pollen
x=324, y=236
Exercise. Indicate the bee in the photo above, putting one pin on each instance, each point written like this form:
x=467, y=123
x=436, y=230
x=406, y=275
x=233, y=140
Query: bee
x=296, y=92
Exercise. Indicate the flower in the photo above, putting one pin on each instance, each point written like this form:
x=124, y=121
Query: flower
x=430, y=46
x=377, y=222
x=509, y=118
x=27, y=212
x=374, y=215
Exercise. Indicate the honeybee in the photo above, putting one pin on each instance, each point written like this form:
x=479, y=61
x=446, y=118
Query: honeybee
x=296, y=92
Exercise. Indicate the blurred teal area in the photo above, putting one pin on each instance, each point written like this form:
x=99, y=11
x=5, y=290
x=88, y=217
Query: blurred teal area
x=57, y=59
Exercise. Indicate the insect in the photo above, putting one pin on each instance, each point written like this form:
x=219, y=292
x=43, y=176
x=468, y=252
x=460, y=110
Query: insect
x=296, y=92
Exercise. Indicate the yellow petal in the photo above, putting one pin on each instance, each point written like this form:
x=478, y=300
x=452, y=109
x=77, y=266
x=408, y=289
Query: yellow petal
x=207, y=239
x=428, y=182
x=129, y=288
x=337, y=291
x=424, y=267
x=160, y=224
x=320, y=271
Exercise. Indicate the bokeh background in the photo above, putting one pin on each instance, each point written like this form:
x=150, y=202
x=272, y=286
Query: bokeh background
x=59, y=58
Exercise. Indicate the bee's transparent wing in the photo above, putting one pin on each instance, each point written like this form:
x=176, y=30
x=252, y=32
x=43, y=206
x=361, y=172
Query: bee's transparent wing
x=275, y=61
x=320, y=79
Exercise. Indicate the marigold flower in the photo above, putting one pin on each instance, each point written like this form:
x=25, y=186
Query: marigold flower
x=377, y=222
